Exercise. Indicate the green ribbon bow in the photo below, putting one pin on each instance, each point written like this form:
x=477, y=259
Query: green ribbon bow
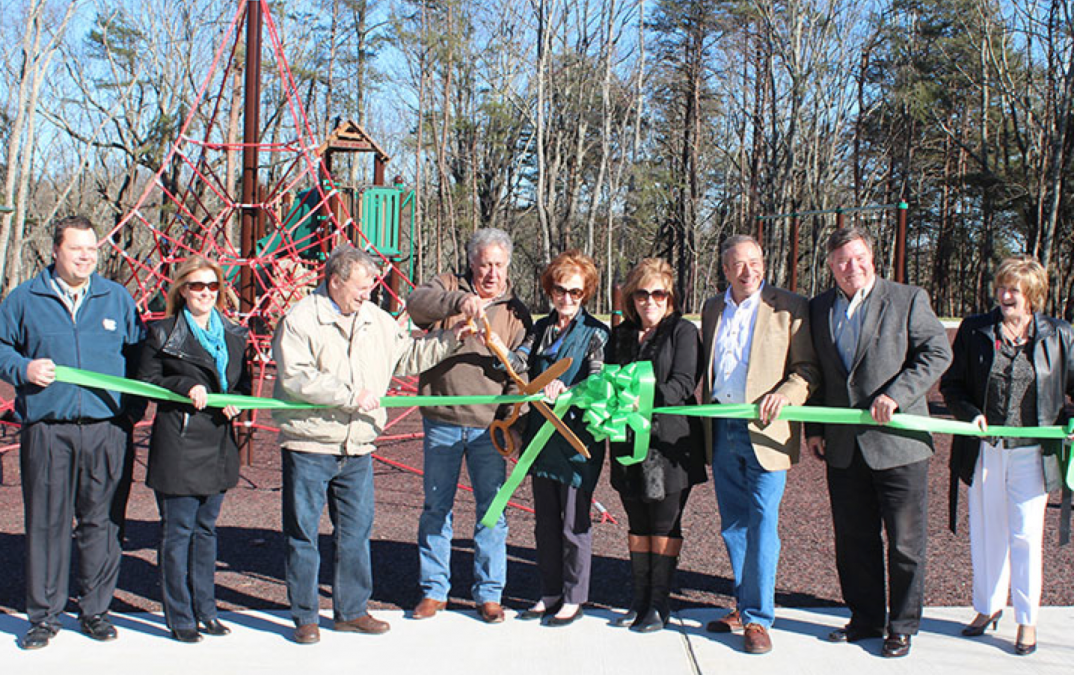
x=615, y=399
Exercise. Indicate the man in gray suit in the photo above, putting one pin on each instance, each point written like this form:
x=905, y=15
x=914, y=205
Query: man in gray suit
x=880, y=347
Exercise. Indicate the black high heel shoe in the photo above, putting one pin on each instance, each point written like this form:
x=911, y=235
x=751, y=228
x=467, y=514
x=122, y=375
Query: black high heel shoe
x=532, y=614
x=975, y=630
x=1023, y=649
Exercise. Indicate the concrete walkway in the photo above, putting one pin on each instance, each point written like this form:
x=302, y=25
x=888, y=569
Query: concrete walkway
x=458, y=642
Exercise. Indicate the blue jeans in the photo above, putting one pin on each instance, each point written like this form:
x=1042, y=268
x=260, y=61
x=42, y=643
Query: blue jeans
x=749, y=501
x=444, y=446
x=309, y=480
x=187, y=558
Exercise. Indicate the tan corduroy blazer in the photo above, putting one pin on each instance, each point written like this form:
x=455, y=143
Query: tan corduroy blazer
x=782, y=360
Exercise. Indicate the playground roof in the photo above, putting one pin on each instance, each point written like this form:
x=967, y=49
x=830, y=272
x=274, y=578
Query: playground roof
x=351, y=137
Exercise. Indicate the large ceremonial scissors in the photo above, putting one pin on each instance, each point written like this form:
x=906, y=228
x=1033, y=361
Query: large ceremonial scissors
x=539, y=382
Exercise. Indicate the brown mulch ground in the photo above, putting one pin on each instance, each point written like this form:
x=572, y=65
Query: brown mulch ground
x=251, y=558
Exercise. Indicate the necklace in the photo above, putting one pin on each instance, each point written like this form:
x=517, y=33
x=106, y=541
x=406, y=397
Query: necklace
x=1018, y=336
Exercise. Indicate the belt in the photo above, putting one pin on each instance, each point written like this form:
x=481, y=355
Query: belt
x=80, y=421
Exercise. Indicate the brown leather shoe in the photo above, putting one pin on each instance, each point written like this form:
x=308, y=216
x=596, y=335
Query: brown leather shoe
x=756, y=639
x=427, y=608
x=362, y=624
x=491, y=612
x=725, y=624
x=306, y=634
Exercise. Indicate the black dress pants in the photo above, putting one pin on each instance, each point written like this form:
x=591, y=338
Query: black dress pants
x=563, y=539
x=863, y=499
x=71, y=472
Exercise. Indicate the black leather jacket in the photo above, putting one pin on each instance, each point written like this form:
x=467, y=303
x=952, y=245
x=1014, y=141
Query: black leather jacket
x=964, y=388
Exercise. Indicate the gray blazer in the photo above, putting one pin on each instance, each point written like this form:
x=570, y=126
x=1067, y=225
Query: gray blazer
x=902, y=351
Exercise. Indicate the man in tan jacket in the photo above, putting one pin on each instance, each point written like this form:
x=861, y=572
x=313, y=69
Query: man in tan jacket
x=461, y=433
x=759, y=348
x=337, y=349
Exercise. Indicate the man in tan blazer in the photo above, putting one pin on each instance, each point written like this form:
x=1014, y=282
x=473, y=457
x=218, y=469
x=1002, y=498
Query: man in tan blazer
x=759, y=350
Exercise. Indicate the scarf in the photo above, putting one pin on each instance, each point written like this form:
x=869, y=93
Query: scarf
x=213, y=341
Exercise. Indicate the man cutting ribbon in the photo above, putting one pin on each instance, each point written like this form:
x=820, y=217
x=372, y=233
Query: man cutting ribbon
x=453, y=434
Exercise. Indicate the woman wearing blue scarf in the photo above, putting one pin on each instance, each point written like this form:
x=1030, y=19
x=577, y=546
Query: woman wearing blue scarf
x=193, y=456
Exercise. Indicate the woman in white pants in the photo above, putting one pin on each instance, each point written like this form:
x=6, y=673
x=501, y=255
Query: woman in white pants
x=1011, y=367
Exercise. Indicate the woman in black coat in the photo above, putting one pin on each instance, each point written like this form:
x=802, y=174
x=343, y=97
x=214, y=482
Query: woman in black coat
x=654, y=492
x=1011, y=367
x=193, y=456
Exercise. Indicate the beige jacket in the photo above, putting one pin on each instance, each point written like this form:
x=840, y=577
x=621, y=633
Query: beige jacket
x=326, y=358
x=782, y=360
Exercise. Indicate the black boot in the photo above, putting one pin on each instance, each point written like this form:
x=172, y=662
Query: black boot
x=663, y=569
x=640, y=571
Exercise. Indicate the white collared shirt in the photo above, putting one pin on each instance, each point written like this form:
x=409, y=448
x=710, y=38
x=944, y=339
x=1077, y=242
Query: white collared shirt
x=731, y=350
x=845, y=322
x=71, y=297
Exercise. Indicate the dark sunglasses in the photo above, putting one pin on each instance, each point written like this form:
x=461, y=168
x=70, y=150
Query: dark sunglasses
x=199, y=286
x=658, y=296
x=575, y=293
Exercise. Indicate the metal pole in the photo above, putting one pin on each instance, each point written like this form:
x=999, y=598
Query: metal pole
x=249, y=213
x=839, y=218
x=397, y=276
x=901, y=241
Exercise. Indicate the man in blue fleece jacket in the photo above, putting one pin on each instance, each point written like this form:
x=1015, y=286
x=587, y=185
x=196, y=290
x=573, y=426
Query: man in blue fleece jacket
x=73, y=442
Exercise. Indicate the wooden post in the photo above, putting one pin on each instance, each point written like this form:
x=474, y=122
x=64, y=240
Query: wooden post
x=793, y=271
x=616, y=306
x=380, y=170
x=901, y=242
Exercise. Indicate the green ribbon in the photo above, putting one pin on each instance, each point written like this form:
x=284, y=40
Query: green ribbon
x=615, y=400
x=1069, y=463
x=805, y=413
x=528, y=456
x=86, y=378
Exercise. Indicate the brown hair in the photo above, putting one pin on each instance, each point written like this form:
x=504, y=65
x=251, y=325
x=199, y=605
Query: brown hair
x=566, y=264
x=846, y=235
x=174, y=302
x=70, y=223
x=1030, y=277
x=646, y=270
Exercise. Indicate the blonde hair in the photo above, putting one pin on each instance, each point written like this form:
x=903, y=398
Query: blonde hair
x=1029, y=276
x=567, y=264
x=174, y=302
x=647, y=270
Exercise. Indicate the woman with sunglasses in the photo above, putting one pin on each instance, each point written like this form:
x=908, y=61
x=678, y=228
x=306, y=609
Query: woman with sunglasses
x=193, y=460
x=654, y=492
x=563, y=480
